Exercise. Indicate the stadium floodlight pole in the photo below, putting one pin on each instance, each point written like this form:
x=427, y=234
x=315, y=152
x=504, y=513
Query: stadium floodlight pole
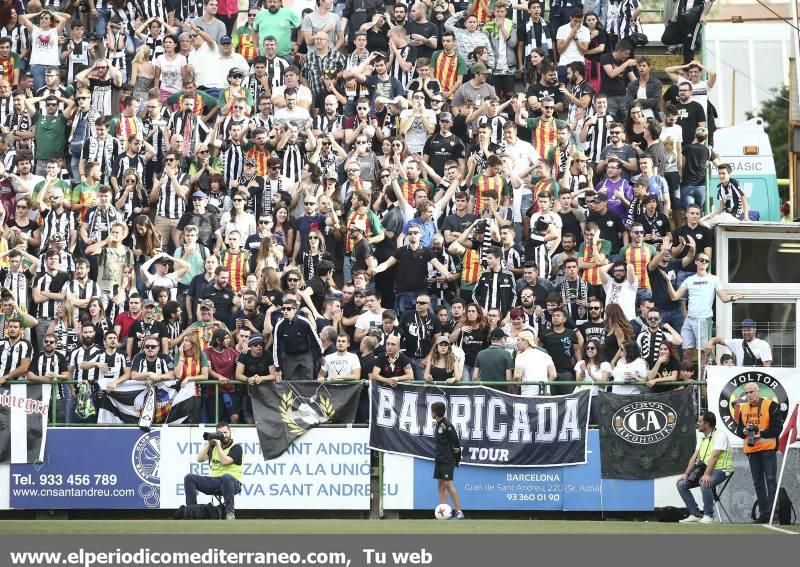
x=783, y=467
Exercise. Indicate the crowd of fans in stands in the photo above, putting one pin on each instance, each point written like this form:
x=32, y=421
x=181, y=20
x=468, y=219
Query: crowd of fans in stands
x=444, y=191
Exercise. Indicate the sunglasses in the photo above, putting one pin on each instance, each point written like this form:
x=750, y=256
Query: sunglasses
x=313, y=237
x=413, y=233
x=595, y=308
x=703, y=260
x=50, y=342
x=150, y=347
x=422, y=302
x=238, y=200
x=362, y=108
x=287, y=308
x=654, y=318
x=588, y=348
x=361, y=142
x=293, y=280
x=201, y=152
x=309, y=203
x=637, y=232
x=265, y=222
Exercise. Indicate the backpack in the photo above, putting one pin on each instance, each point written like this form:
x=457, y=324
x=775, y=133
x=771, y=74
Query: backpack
x=785, y=512
x=200, y=512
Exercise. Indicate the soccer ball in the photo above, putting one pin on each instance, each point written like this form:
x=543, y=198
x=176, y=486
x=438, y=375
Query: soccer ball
x=443, y=511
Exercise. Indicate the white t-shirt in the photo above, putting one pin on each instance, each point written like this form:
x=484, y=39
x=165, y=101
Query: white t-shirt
x=571, y=53
x=44, y=47
x=337, y=365
x=203, y=60
x=699, y=91
x=368, y=320
x=701, y=294
x=673, y=132
x=534, y=364
x=303, y=94
x=760, y=348
x=170, y=80
x=596, y=370
x=623, y=294
x=637, y=369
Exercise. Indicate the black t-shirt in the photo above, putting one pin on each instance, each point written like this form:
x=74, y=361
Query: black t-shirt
x=658, y=286
x=695, y=158
x=223, y=303
x=541, y=91
x=690, y=115
x=412, y=268
x=441, y=149
x=253, y=365
x=666, y=370
x=426, y=30
x=389, y=369
x=455, y=223
x=703, y=238
x=611, y=227
x=590, y=330
x=417, y=341
x=571, y=225
x=608, y=86
x=141, y=330
x=360, y=253
x=472, y=342
x=559, y=347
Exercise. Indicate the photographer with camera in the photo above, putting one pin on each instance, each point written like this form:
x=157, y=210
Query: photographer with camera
x=759, y=422
x=708, y=466
x=225, y=458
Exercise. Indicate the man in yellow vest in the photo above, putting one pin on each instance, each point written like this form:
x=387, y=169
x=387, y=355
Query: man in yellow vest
x=710, y=464
x=759, y=422
x=225, y=462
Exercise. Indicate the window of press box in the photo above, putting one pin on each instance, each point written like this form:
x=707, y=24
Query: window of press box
x=776, y=325
x=763, y=260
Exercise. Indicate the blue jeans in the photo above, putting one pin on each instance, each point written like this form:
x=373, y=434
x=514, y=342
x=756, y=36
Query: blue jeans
x=673, y=316
x=103, y=15
x=347, y=269
x=692, y=195
x=764, y=470
x=37, y=72
x=226, y=484
x=406, y=300
x=466, y=373
x=708, y=495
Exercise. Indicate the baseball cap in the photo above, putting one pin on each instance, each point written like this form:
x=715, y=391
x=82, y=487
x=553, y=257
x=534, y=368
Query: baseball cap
x=332, y=175
x=219, y=334
x=527, y=336
x=250, y=162
x=479, y=69
x=639, y=180
x=359, y=224
x=206, y=304
x=443, y=339
x=601, y=196
x=579, y=155
x=497, y=334
x=199, y=195
x=360, y=291
x=235, y=72
x=748, y=323
x=148, y=303
x=225, y=40
x=445, y=116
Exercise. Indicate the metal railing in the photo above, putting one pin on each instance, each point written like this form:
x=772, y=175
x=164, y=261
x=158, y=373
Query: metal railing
x=53, y=422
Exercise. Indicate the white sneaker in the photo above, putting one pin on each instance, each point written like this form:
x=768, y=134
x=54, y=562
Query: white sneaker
x=692, y=519
x=230, y=516
x=707, y=520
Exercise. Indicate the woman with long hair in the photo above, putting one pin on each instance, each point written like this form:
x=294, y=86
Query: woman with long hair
x=270, y=291
x=385, y=157
x=635, y=125
x=630, y=371
x=238, y=218
x=314, y=252
x=308, y=186
x=191, y=365
x=143, y=76
x=533, y=65
x=21, y=225
x=133, y=199
x=598, y=45
x=65, y=328
x=443, y=366
x=11, y=27
x=203, y=167
x=593, y=368
x=292, y=281
x=146, y=244
x=665, y=369
x=222, y=367
x=333, y=209
x=472, y=335
x=218, y=194
x=96, y=317
x=270, y=255
x=618, y=330
x=120, y=293
x=283, y=231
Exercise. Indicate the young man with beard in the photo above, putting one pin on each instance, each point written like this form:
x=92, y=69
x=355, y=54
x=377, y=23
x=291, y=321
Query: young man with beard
x=574, y=292
x=341, y=364
x=662, y=264
x=691, y=115
x=143, y=328
x=111, y=366
x=619, y=151
x=49, y=366
x=444, y=146
x=653, y=335
x=565, y=347
x=49, y=127
x=296, y=345
x=747, y=351
x=621, y=287
x=609, y=223
x=495, y=286
x=15, y=357
x=417, y=328
x=86, y=352
x=547, y=87
x=199, y=284
x=578, y=93
x=544, y=128
x=541, y=287
x=595, y=327
x=527, y=308
x=219, y=298
x=638, y=254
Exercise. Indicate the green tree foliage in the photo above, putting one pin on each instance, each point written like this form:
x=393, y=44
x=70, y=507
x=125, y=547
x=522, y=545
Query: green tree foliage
x=775, y=113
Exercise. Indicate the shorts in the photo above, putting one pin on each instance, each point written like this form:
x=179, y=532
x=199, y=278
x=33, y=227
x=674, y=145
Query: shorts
x=443, y=471
x=694, y=332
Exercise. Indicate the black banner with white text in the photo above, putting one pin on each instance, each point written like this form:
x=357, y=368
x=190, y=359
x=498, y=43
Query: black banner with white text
x=495, y=428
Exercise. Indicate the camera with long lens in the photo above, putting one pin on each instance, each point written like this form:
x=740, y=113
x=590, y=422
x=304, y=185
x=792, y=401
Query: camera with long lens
x=752, y=431
x=207, y=436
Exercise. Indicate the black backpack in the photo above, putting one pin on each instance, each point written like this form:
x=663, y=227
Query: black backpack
x=785, y=511
x=200, y=512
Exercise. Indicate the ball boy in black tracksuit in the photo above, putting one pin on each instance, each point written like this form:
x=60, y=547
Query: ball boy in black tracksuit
x=447, y=457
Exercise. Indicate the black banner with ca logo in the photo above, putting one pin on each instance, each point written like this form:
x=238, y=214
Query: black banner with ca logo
x=646, y=436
